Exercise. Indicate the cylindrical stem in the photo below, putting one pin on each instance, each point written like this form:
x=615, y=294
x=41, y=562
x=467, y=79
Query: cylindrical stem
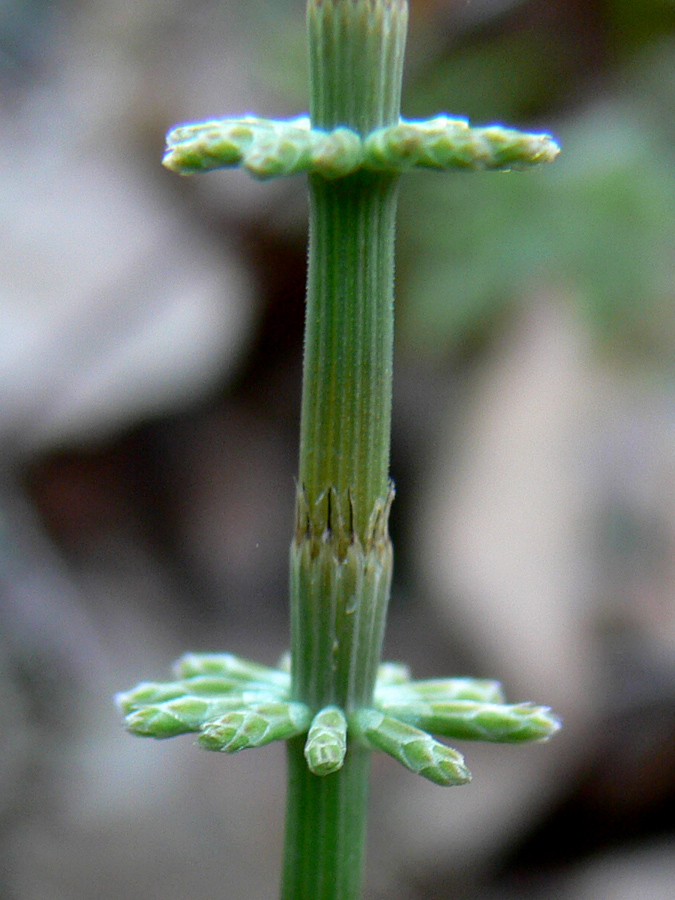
x=356, y=50
x=325, y=828
x=341, y=557
x=339, y=595
x=346, y=406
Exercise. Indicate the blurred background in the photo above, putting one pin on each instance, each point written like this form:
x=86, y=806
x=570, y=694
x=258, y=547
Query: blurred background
x=150, y=365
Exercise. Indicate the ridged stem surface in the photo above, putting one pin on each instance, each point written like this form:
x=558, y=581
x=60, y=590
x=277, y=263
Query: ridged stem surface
x=326, y=819
x=356, y=50
x=341, y=557
x=346, y=407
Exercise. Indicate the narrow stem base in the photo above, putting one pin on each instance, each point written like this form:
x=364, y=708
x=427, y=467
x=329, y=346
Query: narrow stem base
x=325, y=827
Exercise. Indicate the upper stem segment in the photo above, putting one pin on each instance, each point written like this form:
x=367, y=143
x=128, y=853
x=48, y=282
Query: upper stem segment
x=356, y=50
x=356, y=62
x=346, y=406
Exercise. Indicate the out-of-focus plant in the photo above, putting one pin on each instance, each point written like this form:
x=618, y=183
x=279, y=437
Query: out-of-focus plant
x=599, y=228
x=334, y=702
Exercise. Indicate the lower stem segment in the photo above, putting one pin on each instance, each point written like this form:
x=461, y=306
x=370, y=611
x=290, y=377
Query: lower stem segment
x=325, y=827
x=339, y=595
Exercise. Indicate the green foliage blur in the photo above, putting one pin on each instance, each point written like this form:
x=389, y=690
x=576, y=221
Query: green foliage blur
x=597, y=227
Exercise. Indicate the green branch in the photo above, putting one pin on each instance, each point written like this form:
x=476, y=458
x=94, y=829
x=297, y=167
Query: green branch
x=267, y=148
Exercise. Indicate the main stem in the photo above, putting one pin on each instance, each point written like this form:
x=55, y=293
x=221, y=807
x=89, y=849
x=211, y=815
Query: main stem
x=341, y=556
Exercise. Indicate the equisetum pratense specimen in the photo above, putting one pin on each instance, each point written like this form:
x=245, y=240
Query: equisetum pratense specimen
x=333, y=701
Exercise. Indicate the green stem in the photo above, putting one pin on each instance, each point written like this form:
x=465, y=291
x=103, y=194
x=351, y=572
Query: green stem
x=356, y=50
x=326, y=821
x=346, y=408
x=341, y=557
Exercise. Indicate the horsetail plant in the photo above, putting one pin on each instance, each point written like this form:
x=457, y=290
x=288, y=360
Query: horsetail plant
x=332, y=700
